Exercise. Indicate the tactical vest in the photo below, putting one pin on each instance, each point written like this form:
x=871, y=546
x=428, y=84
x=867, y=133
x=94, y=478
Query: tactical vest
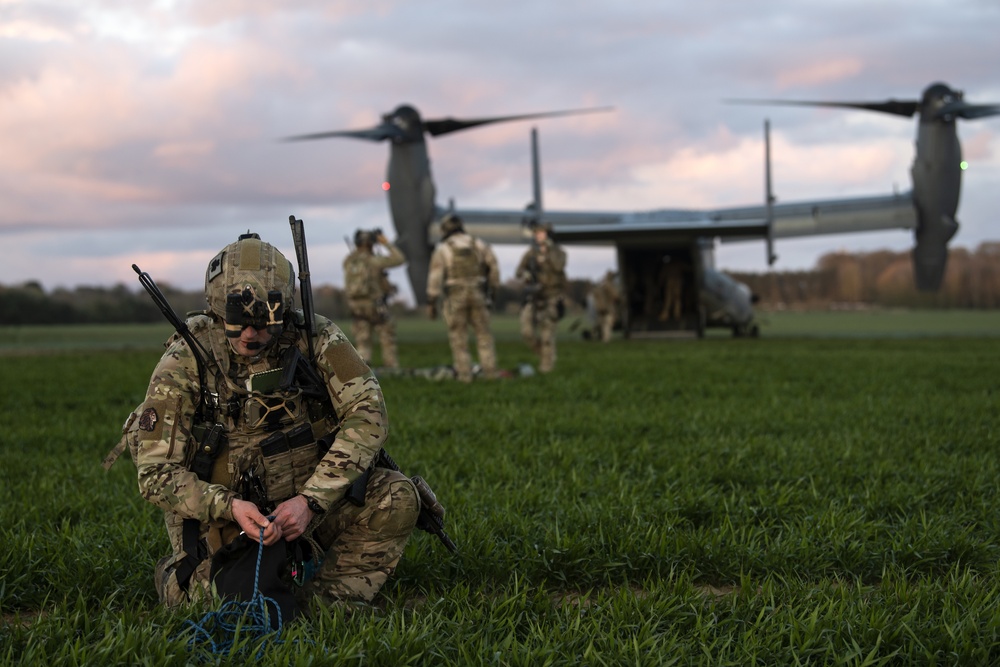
x=358, y=282
x=276, y=436
x=464, y=265
x=550, y=279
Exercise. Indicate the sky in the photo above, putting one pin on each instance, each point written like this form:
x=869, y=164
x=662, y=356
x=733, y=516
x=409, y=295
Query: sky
x=147, y=131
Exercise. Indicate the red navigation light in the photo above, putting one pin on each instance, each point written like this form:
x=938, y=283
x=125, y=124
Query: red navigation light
x=385, y=186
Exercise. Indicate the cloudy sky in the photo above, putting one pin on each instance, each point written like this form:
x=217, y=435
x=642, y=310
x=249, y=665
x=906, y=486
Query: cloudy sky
x=146, y=131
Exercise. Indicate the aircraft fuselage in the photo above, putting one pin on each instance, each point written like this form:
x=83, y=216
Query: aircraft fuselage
x=411, y=197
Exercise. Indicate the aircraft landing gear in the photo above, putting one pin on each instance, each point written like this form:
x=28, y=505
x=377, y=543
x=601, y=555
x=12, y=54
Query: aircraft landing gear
x=750, y=330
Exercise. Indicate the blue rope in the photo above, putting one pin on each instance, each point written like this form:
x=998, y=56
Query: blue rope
x=252, y=618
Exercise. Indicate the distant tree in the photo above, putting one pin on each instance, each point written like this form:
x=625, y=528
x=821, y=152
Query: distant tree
x=880, y=278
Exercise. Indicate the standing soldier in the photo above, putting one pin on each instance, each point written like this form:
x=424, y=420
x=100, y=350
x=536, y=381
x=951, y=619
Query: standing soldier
x=673, y=279
x=543, y=270
x=607, y=298
x=464, y=269
x=368, y=291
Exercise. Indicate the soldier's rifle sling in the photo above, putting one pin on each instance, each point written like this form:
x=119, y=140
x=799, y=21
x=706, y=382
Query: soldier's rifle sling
x=180, y=327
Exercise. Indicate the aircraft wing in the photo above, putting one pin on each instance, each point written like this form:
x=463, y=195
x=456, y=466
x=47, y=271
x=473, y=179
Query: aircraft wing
x=807, y=218
x=833, y=216
x=608, y=228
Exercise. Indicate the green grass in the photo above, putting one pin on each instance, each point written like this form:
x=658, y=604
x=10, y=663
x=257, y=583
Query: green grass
x=20, y=340
x=786, y=500
x=881, y=323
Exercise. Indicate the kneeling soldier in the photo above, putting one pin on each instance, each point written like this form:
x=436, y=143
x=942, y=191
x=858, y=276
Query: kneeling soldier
x=244, y=438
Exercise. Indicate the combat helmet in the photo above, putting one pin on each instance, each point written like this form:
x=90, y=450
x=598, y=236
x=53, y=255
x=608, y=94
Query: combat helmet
x=250, y=283
x=450, y=224
x=365, y=238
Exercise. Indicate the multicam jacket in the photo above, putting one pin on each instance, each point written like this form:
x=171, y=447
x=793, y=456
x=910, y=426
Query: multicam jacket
x=252, y=411
x=363, y=271
x=462, y=261
x=546, y=272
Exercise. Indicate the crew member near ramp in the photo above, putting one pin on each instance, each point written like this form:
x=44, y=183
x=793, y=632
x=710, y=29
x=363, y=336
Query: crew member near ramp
x=607, y=297
x=543, y=271
x=465, y=271
x=287, y=447
x=368, y=291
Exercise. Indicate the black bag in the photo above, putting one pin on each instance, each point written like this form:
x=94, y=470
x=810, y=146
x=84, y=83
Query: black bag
x=234, y=569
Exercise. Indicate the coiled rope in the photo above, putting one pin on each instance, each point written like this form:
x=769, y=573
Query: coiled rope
x=220, y=629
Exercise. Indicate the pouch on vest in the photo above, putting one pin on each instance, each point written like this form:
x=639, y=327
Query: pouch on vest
x=289, y=460
x=358, y=279
x=464, y=263
x=234, y=571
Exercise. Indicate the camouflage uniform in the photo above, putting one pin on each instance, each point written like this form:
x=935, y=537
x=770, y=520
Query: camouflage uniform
x=370, y=315
x=465, y=270
x=543, y=270
x=362, y=545
x=672, y=278
x=607, y=296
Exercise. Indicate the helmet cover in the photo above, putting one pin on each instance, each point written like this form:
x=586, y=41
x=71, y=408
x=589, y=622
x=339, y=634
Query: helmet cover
x=250, y=283
x=450, y=224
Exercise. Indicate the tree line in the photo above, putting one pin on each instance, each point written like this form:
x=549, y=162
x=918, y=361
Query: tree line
x=878, y=279
x=30, y=303
x=883, y=279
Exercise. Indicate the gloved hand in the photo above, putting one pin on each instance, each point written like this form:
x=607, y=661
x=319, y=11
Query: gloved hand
x=432, y=311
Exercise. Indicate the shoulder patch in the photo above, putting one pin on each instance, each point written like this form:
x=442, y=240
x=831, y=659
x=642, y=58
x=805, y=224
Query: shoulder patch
x=148, y=419
x=215, y=267
x=345, y=362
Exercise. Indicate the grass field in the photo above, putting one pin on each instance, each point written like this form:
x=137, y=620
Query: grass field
x=798, y=499
x=20, y=340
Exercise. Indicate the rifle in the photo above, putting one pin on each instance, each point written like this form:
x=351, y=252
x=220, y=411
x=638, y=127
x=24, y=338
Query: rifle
x=431, y=517
x=305, y=281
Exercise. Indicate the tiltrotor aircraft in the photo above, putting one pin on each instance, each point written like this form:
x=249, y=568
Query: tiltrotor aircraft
x=659, y=246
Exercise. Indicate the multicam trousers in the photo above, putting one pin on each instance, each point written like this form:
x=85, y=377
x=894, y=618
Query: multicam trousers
x=539, y=317
x=362, y=547
x=368, y=321
x=465, y=307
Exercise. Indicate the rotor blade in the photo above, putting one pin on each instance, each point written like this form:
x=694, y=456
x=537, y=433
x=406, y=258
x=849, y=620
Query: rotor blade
x=966, y=110
x=895, y=107
x=377, y=133
x=446, y=125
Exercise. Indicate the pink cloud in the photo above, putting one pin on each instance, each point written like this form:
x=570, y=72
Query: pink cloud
x=816, y=73
x=979, y=147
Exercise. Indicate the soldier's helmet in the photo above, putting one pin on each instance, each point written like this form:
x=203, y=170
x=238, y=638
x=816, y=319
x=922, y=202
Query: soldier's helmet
x=450, y=224
x=250, y=283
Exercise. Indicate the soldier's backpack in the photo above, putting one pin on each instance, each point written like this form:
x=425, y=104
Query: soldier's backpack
x=465, y=262
x=358, y=281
